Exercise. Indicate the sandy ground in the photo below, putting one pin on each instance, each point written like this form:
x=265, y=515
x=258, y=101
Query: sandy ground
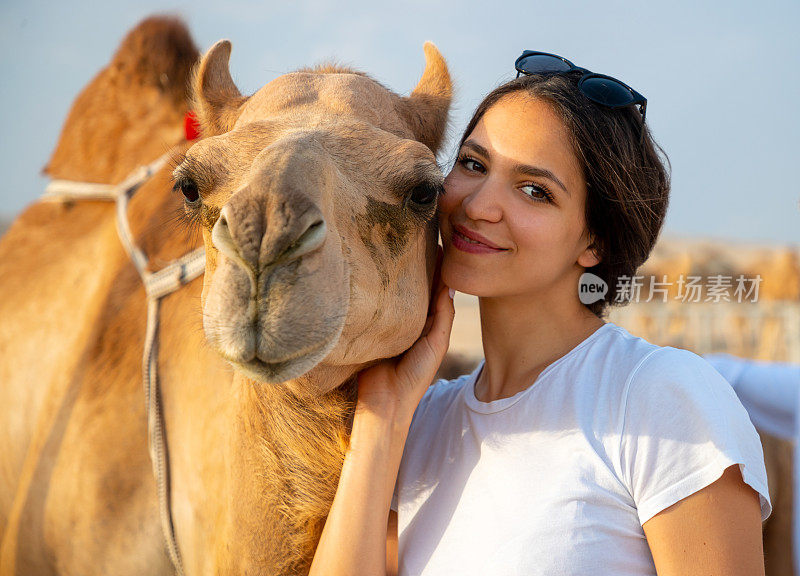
x=466, y=335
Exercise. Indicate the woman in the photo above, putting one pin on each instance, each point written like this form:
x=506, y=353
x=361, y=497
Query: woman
x=574, y=447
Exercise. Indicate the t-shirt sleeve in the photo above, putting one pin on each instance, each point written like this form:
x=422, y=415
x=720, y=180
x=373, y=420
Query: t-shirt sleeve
x=412, y=434
x=683, y=425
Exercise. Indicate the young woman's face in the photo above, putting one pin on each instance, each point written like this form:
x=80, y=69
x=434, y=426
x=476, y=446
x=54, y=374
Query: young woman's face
x=518, y=189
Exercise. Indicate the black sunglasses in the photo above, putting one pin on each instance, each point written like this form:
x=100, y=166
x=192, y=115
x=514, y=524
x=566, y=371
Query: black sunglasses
x=599, y=88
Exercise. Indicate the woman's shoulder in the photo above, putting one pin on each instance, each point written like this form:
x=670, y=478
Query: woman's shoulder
x=682, y=426
x=612, y=350
x=648, y=367
x=667, y=372
x=607, y=366
x=623, y=347
x=674, y=386
x=678, y=397
x=668, y=390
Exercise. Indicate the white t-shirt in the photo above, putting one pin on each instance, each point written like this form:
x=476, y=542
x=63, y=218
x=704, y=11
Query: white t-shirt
x=559, y=478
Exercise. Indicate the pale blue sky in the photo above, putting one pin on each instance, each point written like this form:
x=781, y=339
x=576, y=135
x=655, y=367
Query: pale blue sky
x=721, y=78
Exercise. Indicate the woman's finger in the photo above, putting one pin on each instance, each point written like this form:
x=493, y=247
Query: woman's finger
x=439, y=335
x=419, y=364
x=437, y=279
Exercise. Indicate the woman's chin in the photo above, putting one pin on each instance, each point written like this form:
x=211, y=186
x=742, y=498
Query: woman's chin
x=466, y=281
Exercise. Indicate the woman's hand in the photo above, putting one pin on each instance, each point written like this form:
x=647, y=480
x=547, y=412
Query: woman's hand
x=354, y=539
x=394, y=387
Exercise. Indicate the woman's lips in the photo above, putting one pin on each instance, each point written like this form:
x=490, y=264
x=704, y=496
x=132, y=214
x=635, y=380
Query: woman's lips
x=468, y=241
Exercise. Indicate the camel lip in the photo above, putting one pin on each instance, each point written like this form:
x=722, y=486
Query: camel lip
x=262, y=371
x=259, y=370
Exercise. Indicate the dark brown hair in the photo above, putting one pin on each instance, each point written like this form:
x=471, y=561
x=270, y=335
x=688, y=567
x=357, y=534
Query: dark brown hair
x=627, y=182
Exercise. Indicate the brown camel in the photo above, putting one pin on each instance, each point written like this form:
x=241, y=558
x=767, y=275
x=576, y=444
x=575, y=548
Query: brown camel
x=316, y=201
x=68, y=429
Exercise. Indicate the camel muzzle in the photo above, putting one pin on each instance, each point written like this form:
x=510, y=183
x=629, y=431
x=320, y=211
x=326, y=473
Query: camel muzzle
x=306, y=236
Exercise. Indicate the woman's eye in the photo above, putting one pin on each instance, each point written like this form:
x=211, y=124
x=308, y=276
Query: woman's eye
x=188, y=188
x=471, y=164
x=539, y=193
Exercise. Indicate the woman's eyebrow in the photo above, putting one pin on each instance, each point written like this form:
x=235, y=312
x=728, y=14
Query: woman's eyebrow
x=476, y=148
x=519, y=168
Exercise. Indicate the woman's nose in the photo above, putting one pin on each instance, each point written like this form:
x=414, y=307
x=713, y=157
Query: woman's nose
x=484, y=202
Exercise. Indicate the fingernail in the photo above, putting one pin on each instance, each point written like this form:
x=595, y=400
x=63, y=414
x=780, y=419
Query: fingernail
x=451, y=292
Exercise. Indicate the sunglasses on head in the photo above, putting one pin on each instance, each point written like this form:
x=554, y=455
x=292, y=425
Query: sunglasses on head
x=599, y=88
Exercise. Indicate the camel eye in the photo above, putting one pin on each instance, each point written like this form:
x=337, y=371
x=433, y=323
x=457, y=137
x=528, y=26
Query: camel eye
x=424, y=194
x=188, y=188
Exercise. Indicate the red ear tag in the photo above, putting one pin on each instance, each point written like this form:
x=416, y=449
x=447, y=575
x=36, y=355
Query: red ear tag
x=191, y=126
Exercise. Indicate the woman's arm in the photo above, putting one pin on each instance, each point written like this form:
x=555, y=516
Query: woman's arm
x=716, y=530
x=391, y=545
x=354, y=539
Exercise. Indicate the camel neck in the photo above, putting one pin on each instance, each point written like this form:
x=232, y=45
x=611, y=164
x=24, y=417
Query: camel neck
x=286, y=454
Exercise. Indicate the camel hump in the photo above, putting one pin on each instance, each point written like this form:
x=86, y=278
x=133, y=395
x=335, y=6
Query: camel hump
x=158, y=51
x=123, y=116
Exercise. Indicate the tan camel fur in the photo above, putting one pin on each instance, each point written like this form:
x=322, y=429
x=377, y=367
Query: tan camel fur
x=317, y=203
x=76, y=490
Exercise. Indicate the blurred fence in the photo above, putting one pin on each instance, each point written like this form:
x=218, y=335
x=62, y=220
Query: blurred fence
x=767, y=330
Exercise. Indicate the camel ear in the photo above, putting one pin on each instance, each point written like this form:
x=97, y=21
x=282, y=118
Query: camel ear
x=217, y=100
x=427, y=108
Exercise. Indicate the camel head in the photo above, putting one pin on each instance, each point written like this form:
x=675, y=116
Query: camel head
x=316, y=197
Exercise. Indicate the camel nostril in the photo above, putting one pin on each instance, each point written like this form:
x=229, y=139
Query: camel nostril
x=223, y=239
x=312, y=238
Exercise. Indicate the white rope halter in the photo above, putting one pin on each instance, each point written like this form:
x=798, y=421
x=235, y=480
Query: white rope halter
x=157, y=285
